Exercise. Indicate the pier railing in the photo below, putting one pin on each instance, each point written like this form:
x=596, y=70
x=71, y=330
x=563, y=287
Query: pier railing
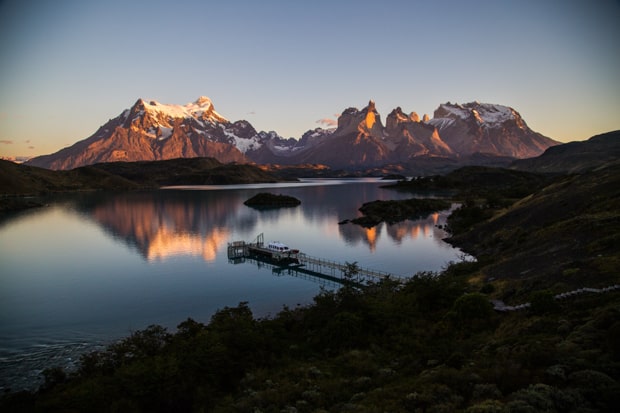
x=335, y=269
x=238, y=251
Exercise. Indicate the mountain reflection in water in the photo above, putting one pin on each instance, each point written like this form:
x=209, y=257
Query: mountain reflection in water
x=167, y=228
x=169, y=223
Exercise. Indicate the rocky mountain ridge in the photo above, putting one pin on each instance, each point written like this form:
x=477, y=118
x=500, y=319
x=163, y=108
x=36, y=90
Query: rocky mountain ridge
x=150, y=130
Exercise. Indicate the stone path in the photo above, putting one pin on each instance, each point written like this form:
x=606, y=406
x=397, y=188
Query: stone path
x=499, y=305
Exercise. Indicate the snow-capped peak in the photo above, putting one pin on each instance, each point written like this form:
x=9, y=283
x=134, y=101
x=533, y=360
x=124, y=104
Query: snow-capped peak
x=486, y=114
x=201, y=109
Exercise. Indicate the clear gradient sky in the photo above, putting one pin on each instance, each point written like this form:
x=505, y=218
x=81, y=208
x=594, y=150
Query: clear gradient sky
x=67, y=66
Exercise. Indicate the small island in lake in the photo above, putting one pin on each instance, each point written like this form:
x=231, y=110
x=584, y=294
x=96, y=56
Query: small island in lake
x=267, y=200
x=394, y=211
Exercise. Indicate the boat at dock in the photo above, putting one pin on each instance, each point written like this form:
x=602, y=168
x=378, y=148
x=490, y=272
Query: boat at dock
x=273, y=250
x=277, y=251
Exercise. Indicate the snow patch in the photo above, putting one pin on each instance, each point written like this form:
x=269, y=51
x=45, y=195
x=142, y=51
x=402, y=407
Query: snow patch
x=486, y=114
x=165, y=133
x=440, y=123
x=243, y=144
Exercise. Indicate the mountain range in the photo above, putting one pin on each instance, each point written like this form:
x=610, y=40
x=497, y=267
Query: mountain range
x=150, y=130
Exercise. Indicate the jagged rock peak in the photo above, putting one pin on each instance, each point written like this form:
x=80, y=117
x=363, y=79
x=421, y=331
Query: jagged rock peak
x=372, y=117
x=371, y=106
x=203, y=101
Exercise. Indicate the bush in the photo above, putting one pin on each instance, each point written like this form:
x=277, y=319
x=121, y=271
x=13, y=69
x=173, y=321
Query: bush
x=486, y=406
x=543, y=302
x=473, y=310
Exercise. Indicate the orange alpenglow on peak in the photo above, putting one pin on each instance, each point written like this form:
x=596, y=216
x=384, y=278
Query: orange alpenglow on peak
x=370, y=114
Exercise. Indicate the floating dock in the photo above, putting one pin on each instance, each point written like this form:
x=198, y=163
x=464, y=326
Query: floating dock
x=300, y=264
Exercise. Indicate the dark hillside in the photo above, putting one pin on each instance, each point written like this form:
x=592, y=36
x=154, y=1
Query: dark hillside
x=479, y=181
x=187, y=171
x=22, y=180
x=18, y=179
x=563, y=236
x=575, y=156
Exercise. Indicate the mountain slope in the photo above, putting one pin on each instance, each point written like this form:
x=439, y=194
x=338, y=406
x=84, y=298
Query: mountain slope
x=152, y=131
x=488, y=128
x=562, y=236
x=181, y=171
x=18, y=179
x=575, y=156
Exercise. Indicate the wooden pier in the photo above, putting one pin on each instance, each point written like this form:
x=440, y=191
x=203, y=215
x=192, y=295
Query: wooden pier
x=303, y=264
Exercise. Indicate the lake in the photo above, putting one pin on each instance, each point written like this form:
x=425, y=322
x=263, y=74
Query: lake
x=91, y=268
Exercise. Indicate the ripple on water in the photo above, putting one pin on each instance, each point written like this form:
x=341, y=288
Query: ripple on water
x=22, y=369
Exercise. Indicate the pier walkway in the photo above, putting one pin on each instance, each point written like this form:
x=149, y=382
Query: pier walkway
x=297, y=263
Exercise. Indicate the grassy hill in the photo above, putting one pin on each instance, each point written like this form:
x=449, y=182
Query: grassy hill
x=560, y=236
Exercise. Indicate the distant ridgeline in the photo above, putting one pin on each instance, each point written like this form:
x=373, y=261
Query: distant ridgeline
x=456, y=135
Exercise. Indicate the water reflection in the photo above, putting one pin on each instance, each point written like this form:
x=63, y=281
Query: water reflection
x=412, y=229
x=165, y=224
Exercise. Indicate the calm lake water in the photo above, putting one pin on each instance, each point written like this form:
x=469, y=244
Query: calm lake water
x=92, y=268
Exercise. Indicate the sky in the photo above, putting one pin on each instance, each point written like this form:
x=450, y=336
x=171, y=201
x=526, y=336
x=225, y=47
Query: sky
x=68, y=66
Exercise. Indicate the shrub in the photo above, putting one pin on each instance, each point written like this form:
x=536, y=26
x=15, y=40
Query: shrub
x=472, y=310
x=486, y=406
x=542, y=302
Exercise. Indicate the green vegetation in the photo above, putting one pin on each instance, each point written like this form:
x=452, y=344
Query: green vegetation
x=268, y=200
